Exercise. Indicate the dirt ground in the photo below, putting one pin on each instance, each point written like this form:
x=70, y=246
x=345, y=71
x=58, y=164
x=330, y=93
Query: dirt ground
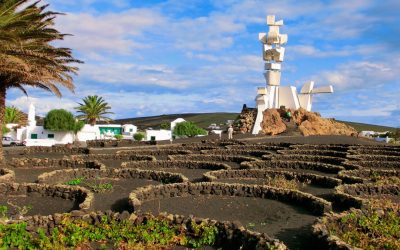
x=277, y=219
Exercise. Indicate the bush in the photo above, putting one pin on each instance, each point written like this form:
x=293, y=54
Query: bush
x=188, y=129
x=165, y=125
x=62, y=120
x=118, y=137
x=138, y=136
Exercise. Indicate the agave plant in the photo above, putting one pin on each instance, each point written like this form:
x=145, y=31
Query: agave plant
x=93, y=109
x=28, y=55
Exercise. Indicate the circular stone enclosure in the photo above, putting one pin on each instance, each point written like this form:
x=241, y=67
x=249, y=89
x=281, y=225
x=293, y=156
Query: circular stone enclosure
x=6, y=175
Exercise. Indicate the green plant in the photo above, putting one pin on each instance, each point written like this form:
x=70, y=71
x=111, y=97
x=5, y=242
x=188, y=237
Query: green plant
x=165, y=125
x=100, y=188
x=281, y=182
x=153, y=233
x=376, y=227
x=94, y=108
x=62, y=120
x=138, y=136
x=118, y=137
x=3, y=214
x=75, y=182
x=188, y=129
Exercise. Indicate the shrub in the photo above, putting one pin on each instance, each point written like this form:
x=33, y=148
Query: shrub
x=376, y=227
x=138, y=136
x=118, y=137
x=165, y=125
x=188, y=129
x=62, y=120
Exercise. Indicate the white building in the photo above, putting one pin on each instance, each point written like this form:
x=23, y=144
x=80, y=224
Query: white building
x=158, y=135
x=39, y=136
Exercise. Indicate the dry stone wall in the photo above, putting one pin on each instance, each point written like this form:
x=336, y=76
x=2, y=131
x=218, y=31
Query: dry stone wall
x=57, y=163
x=6, y=175
x=212, y=157
x=176, y=164
x=61, y=176
x=322, y=167
x=317, y=206
x=320, y=180
x=81, y=195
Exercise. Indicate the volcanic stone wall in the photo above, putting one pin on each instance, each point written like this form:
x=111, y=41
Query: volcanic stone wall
x=6, y=175
x=61, y=176
x=79, y=194
x=212, y=157
x=58, y=163
x=176, y=164
x=317, y=206
x=322, y=167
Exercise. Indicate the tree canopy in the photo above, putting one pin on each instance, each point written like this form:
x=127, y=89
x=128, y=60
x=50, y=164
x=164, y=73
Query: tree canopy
x=62, y=120
x=188, y=129
x=93, y=109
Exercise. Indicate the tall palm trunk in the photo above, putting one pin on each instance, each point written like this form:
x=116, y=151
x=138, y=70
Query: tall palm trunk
x=2, y=114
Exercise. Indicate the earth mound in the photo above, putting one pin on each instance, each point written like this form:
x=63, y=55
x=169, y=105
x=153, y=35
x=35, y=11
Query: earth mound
x=311, y=123
x=272, y=123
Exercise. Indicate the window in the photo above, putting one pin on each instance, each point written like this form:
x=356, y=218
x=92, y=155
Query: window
x=34, y=136
x=131, y=130
x=50, y=136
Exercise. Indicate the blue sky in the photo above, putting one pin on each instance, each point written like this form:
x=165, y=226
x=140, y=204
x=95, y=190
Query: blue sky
x=178, y=56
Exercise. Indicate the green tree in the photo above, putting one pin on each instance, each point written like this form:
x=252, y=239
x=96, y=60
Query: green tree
x=93, y=109
x=28, y=52
x=165, y=125
x=138, y=136
x=62, y=120
x=188, y=129
x=13, y=115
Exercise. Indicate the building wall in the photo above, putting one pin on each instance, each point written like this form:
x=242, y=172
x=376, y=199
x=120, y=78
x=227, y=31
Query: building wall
x=160, y=135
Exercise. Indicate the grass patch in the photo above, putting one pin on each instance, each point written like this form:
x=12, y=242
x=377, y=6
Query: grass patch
x=155, y=233
x=281, y=182
x=377, y=227
x=75, y=182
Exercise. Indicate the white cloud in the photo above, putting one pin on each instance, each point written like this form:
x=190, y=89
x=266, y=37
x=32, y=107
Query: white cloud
x=43, y=104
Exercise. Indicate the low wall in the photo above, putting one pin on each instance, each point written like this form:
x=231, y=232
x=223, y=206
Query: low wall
x=322, y=167
x=247, y=152
x=320, y=180
x=57, y=163
x=351, y=194
x=61, y=176
x=256, y=147
x=315, y=152
x=375, y=147
x=81, y=195
x=365, y=175
x=374, y=152
x=55, y=149
x=371, y=164
x=155, y=152
x=212, y=157
x=335, y=147
x=6, y=175
x=230, y=235
x=308, y=158
x=377, y=158
x=176, y=164
x=113, y=143
x=315, y=205
x=326, y=240
x=116, y=157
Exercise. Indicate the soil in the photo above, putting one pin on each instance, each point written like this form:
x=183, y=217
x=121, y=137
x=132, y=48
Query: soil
x=30, y=175
x=117, y=198
x=40, y=204
x=289, y=223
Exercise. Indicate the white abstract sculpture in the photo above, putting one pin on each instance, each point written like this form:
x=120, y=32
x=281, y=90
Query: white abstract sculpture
x=274, y=95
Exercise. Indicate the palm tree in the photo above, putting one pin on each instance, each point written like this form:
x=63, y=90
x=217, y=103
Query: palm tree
x=93, y=108
x=14, y=115
x=28, y=56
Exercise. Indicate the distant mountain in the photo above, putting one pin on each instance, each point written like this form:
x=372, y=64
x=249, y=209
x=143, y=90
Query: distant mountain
x=201, y=119
x=205, y=119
